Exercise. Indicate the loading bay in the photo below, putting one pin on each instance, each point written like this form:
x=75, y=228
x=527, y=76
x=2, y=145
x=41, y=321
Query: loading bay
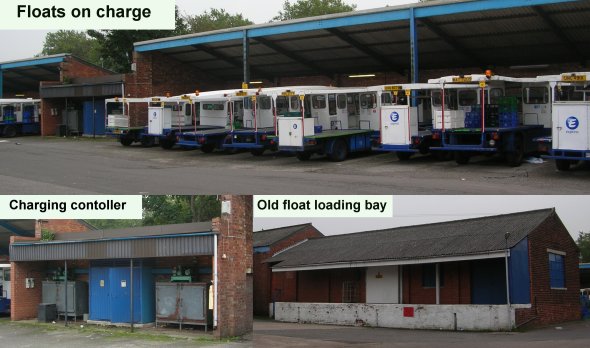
x=47, y=165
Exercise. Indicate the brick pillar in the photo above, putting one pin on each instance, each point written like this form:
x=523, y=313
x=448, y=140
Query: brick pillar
x=24, y=301
x=235, y=283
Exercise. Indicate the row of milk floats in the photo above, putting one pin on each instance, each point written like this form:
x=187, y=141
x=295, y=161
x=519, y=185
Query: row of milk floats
x=457, y=116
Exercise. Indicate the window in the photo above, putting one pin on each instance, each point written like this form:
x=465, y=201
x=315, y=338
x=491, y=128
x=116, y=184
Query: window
x=188, y=108
x=386, y=98
x=318, y=101
x=332, y=104
x=282, y=105
x=368, y=101
x=264, y=103
x=248, y=103
x=450, y=99
x=429, y=276
x=557, y=271
x=213, y=106
x=569, y=93
x=536, y=95
x=342, y=102
x=350, y=292
x=295, y=103
x=467, y=97
x=495, y=95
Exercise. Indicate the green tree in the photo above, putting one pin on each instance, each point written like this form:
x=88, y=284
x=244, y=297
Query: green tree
x=116, y=46
x=169, y=209
x=215, y=19
x=310, y=8
x=584, y=245
x=74, y=42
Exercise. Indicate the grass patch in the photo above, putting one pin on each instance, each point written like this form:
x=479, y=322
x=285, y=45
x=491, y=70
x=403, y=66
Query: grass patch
x=111, y=332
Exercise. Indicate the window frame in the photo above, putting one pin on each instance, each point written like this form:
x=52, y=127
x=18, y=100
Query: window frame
x=426, y=282
x=556, y=265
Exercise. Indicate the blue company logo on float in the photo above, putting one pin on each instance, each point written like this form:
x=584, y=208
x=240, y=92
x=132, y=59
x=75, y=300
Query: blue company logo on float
x=394, y=116
x=295, y=126
x=572, y=123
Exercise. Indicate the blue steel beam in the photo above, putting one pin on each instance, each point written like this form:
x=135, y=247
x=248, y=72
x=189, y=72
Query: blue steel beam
x=1, y=83
x=15, y=230
x=246, y=57
x=198, y=40
x=32, y=62
x=351, y=19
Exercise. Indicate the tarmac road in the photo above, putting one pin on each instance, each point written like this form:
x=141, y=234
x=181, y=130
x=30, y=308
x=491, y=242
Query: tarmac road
x=279, y=335
x=35, y=165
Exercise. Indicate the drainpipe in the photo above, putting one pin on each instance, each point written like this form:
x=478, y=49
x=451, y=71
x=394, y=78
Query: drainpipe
x=215, y=280
x=438, y=283
x=66, y=292
x=131, y=292
x=506, y=236
x=401, y=284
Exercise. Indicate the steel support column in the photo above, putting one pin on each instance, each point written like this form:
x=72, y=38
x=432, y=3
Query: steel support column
x=414, y=75
x=1, y=83
x=246, y=58
x=414, y=59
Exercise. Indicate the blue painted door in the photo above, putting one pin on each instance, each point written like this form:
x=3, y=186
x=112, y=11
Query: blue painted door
x=120, y=285
x=94, y=123
x=488, y=282
x=100, y=299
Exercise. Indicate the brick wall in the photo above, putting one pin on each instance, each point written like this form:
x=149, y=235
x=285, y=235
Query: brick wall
x=235, y=283
x=72, y=67
x=284, y=287
x=60, y=226
x=321, y=286
x=263, y=287
x=551, y=306
x=49, y=122
x=157, y=74
x=24, y=301
x=456, y=288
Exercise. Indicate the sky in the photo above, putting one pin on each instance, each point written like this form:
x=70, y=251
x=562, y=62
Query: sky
x=414, y=210
x=27, y=43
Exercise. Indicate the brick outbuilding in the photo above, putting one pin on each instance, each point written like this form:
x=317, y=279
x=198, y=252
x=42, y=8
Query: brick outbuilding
x=490, y=273
x=214, y=257
x=266, y=244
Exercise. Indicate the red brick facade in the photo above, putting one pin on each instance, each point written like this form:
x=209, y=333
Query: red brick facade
x=551, y=306
x=456, y=289
x=264, y=290
x=235, y=283
x=60, y=226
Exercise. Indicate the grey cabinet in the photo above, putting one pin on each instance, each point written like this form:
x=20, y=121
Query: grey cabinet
x=183, y=303
x=77, y=296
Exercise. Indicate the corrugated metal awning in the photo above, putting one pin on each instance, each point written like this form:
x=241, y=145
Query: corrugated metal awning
x=193, y=244
x=86, y=90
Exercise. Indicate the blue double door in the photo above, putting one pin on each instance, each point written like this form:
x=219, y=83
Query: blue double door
x=110, y=289
x=94, y=122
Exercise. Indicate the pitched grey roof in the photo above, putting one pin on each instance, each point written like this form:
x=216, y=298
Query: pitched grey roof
x=444, y=239
x=269, y=237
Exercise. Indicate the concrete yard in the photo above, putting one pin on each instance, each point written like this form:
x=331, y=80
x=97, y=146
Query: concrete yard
x=36, y=165
x=278, y=335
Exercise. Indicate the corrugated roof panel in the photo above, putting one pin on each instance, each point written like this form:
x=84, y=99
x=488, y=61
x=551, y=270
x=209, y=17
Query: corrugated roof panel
x=114, y=249
x=454, y=238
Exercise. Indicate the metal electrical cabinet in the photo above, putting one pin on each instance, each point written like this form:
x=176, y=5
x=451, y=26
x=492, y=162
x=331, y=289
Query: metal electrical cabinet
x=183, y=303
x=110, y=292
x=77, y=293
